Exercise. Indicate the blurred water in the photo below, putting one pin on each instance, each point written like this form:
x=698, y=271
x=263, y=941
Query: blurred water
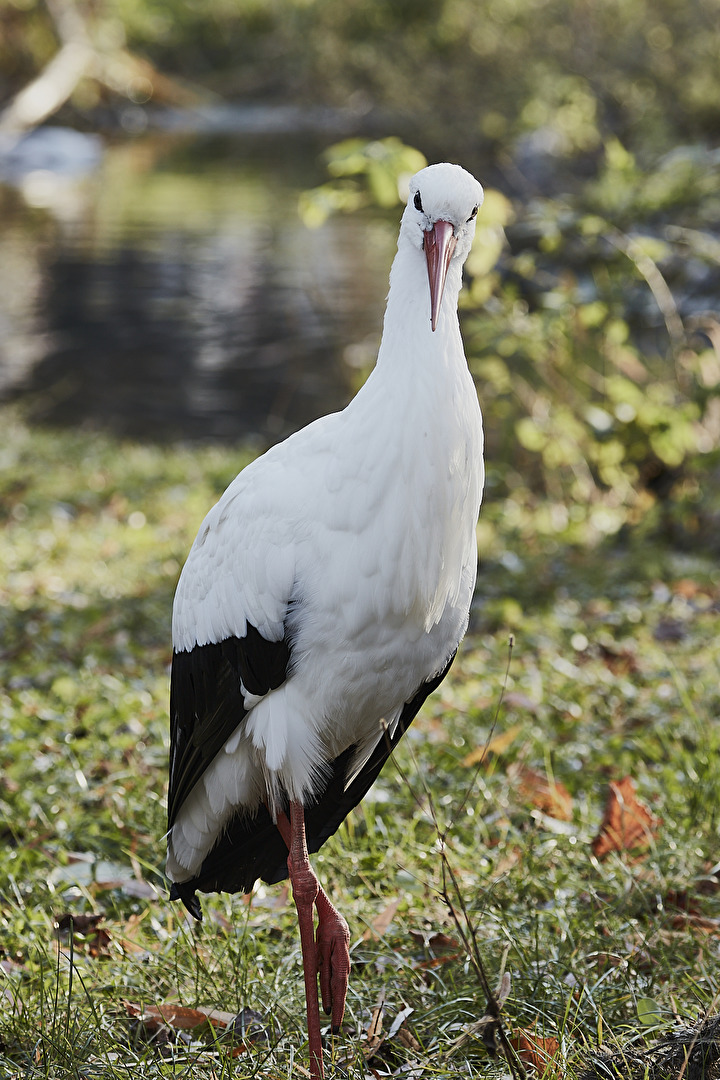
x=173, y=292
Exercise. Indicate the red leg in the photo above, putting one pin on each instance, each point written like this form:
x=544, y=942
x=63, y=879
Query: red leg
x=305, y=890
x=332, y=956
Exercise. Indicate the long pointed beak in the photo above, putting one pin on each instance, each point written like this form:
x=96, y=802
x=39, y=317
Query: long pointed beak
x=439, y=244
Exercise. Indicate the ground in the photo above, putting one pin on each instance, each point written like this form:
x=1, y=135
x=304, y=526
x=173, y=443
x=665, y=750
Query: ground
x=564, y=777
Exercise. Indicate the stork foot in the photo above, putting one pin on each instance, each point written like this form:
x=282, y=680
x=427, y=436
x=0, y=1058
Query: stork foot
x=333, y=959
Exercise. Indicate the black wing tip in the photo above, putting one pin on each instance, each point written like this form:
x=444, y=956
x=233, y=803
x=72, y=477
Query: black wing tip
x=188, y=897
x=207, y=704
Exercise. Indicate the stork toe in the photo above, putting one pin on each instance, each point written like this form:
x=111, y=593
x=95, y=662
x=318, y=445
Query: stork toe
x=333, y=960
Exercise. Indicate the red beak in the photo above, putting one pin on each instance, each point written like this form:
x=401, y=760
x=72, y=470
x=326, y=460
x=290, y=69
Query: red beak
x=439, y=244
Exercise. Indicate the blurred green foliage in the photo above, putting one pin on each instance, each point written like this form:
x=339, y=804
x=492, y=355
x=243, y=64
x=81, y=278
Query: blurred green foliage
x=365, y=173
x=457, y=73
x=460, y=68
x=592, y=329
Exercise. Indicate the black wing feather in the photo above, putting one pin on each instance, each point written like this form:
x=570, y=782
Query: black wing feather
x=206, y=701
x=252, y=848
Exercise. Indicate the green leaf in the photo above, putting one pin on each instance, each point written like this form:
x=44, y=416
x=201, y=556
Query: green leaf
x=649, y=1012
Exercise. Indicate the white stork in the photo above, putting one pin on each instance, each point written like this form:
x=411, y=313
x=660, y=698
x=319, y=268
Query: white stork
x=325, y=597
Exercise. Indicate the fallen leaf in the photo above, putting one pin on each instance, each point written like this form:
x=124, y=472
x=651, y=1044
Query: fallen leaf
x=148, y=1026
x=550, y=796
x=409, y=1041
x=649, y=1012
x=683, y=921
x=374, y=1028
x=536, y=1051
x=497, y=745
x=249, y=1024
x=619, y=661
x=627, y=823
x=686, y=910
x=382, y=921
x=98, y=945
x=400, y=1020
x=175, y=1016
x=79, y=924
x=379, y=1047
x=681, y=900
x=709, y=883
x=87, y=935
x=436, y=942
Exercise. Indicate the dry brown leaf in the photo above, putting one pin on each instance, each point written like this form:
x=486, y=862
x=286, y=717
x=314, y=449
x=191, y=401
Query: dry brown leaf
x=444, y=949
x=381, y=1047
x=696, y=922
x=98, y=945
x=176, y=1016
x=129, y=946
x=374, y=1028
x=409, y=1041
x=79, y=924
x=535, y=1051
x=87, y=935
x=219, y=1018
x=497, y=745
x=147, y=1025
x=550, y=796
x=436, y=942
x=618, y=660
x=627, y=824
x=683, y=901
x=382, y=921
x=685, y=911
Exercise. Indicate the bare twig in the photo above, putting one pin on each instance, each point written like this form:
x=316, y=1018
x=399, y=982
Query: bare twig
x=46, y=93
x=491, y=732
x=656, y=283
x=76, y=59
x=493, y=1032
x=53, y=86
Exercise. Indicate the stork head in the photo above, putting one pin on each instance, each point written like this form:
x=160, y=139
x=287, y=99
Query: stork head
x=440, y=219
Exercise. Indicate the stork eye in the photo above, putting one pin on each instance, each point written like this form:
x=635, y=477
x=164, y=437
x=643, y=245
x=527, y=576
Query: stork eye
x=417, y=202
x=474, y=213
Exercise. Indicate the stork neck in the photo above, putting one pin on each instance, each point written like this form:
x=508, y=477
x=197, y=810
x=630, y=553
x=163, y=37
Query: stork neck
x=407, y=334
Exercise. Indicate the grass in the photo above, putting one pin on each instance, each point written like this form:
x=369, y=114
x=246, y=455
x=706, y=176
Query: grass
x=613, y=673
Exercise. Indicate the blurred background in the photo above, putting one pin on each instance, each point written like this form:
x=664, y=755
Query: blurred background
x=199, y=207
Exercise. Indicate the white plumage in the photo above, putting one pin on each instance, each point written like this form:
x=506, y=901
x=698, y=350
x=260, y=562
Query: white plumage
x=351, y=545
